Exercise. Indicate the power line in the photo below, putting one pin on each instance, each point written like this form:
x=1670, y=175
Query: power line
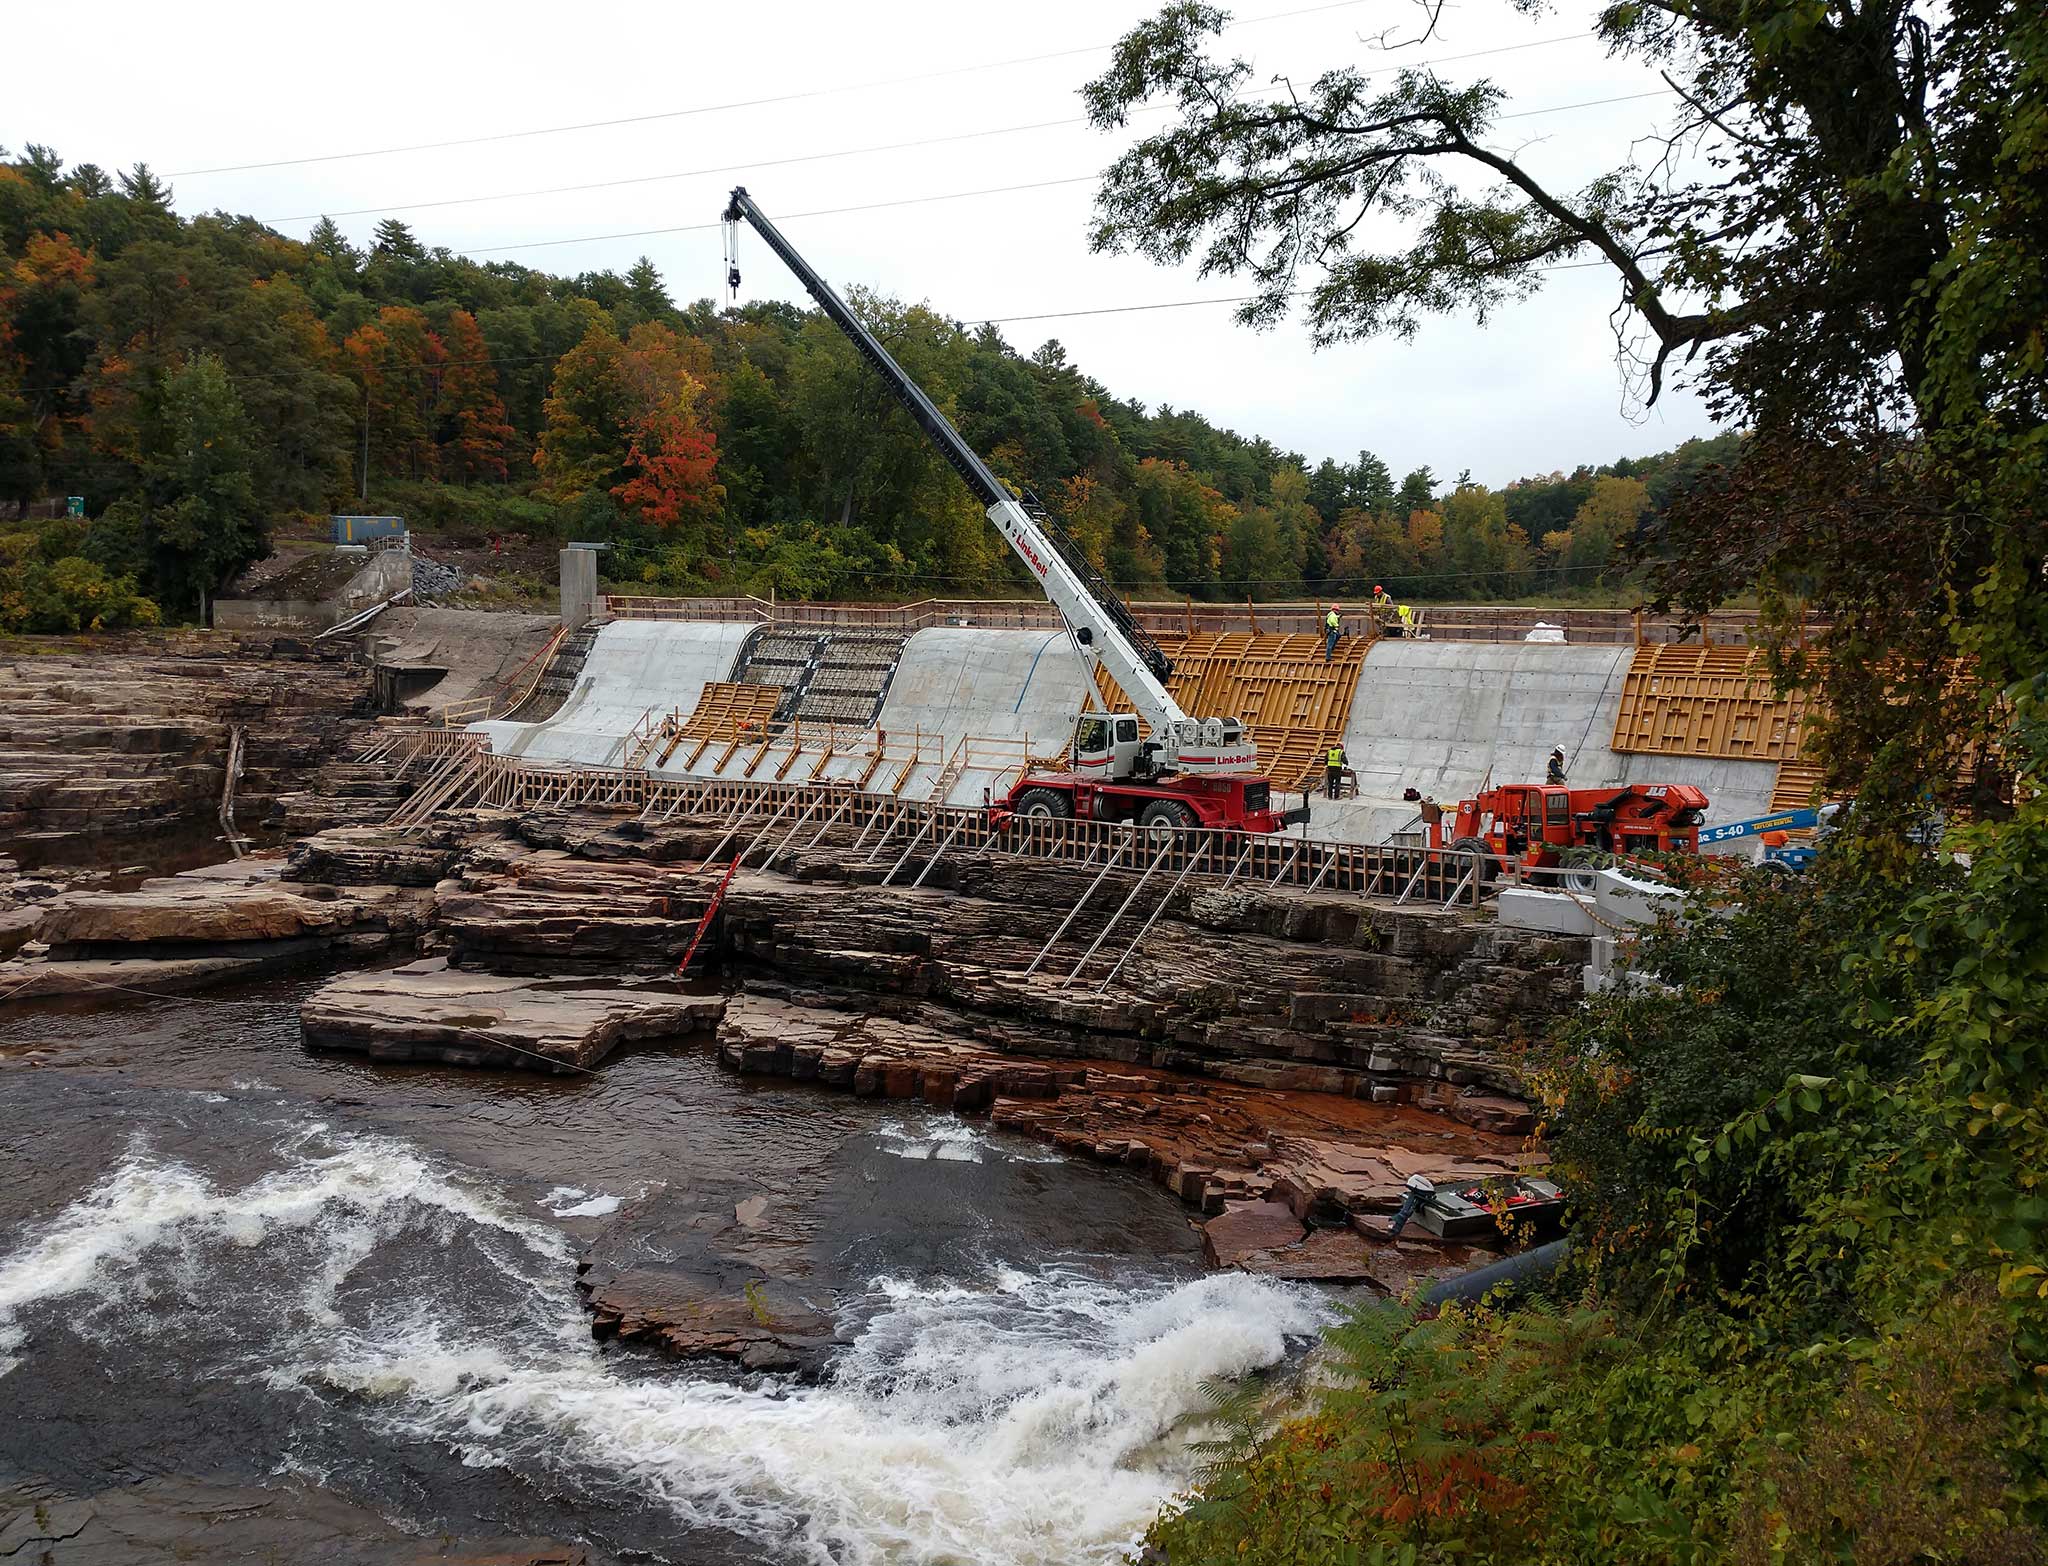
x=868, y=206
x=821, y=92
x=719, y=108
x=655, y=179
x=1182, y=304
x=963, y=195
x=821, y=157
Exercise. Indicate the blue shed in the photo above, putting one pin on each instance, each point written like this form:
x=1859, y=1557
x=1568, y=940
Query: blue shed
x=360, y=530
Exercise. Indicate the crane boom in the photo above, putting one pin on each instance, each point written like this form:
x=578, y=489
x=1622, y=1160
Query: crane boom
x=1102, y=625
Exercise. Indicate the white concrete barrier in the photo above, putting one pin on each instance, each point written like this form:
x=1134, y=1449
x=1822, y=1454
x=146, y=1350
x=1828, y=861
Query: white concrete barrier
x=1525, y=908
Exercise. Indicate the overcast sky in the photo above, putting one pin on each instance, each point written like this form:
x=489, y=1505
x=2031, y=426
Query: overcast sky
x=194, y=88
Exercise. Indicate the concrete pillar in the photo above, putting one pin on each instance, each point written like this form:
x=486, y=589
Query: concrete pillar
x=579, y=586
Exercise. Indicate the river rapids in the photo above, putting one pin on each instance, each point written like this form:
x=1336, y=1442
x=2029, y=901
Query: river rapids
x=225, y=1259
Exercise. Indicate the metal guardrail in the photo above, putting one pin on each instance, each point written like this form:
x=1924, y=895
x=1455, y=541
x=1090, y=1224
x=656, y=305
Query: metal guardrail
x=779, y=815
x=1443, y=622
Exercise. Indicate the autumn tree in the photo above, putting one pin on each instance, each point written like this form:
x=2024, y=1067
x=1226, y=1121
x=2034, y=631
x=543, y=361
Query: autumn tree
x=473, y=434
x=396, y=361
x=42, y=355
x=1484, y=551
x=1604, y=524
x=623, y=420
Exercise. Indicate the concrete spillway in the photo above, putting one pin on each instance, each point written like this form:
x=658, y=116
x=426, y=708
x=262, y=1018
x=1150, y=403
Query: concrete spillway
x=635, y=667
x=965, y=706
x=1448, y=717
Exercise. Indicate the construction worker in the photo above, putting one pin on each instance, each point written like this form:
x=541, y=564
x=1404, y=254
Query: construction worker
x=1382, y=601
x=1332, y=629
x=1407, y=625
x=1419, y=1194
x=1554, y=773
x=1333, y=770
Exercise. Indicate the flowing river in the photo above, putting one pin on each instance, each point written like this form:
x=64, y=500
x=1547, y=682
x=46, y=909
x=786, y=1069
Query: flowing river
x=224, y=1259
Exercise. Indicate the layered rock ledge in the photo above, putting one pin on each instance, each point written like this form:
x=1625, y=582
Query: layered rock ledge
x=1292, y=1184
x=211, y=926
x=426, y=1011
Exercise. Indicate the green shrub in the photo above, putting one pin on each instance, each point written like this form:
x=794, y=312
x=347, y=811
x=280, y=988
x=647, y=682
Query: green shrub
x=65, y=595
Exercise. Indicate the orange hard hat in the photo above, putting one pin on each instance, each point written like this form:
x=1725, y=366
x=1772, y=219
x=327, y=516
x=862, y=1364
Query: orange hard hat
x=1377, y=588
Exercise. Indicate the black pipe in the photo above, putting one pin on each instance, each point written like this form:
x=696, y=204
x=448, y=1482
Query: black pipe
x=1518, y=1274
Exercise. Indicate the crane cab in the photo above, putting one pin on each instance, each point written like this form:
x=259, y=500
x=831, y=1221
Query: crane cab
x=1108, y=747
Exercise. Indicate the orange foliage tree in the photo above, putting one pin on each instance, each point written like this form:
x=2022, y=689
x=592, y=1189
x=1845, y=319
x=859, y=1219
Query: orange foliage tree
x=396, y=360
x=475, y=434
x=624, y=418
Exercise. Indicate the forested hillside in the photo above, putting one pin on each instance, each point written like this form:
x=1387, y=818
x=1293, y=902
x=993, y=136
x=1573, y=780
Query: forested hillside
x=201, y=383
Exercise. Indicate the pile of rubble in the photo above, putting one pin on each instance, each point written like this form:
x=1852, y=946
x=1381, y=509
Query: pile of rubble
x=431, y=579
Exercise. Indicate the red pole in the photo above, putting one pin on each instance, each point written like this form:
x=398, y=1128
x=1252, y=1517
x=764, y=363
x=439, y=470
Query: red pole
x=710, y=908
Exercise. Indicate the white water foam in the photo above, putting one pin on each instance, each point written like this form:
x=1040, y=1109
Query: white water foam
x=569, y=1201
x=950, y=1139
x=1040, y=1421
x=1039, y=1417
x=348, y=1194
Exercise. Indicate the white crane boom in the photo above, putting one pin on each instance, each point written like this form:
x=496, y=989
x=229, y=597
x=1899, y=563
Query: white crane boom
x=1103, y=628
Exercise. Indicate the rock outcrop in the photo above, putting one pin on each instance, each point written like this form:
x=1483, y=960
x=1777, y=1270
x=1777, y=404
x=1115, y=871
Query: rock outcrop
x=168, y=1519
x=762, y=1325
x=428, y=1011
x=1286, y=1168
x=117, y=741
x=223, y=923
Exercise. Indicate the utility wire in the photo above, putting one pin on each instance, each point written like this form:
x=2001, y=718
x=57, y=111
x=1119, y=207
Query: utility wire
x=866, y=206
x=655, y=179
x=962, y=195
x=818, y=157
x=823, y=92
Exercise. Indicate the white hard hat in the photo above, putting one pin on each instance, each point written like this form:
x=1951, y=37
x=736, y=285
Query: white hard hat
x=1418, y=1183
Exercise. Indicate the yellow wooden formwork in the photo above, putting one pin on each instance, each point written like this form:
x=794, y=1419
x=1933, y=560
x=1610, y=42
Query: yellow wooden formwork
x=1295, y=704
x=724, y=711
x=1797, y=785
x=1688, y=700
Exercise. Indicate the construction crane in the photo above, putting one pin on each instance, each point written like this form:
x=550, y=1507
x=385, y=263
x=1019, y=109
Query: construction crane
x=1185, y=771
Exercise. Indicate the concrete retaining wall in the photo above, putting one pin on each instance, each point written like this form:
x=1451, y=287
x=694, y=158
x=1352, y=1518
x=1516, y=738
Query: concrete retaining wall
x=1438, y=716
x=1442, y=716
x=384, y=575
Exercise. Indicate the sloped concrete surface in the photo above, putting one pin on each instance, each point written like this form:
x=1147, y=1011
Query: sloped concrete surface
x=635, y=665
x=1443, y=716
x=1019, y=686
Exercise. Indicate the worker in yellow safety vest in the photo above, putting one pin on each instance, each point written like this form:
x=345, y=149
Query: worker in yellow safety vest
x=1332, y=629
x=1333, y=772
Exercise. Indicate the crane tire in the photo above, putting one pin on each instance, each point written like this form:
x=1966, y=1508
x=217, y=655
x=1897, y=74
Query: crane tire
x=1043, y=804
x=1166, y=815
x=1476, y=845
